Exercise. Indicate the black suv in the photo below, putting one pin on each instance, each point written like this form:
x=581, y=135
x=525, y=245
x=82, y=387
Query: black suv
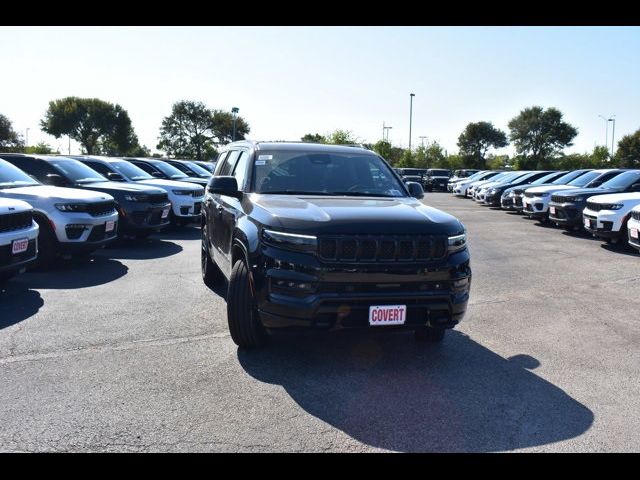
x=143, y=209
x=160, y=169
x=436, y=179
x=328, y=237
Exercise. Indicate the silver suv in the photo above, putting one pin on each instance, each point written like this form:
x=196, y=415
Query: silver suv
x=70, y=220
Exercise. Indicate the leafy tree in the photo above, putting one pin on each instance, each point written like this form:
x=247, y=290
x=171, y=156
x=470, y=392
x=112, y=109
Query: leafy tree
x=455, y=161
x=420, y=156
x=383, y=148
x=498, y=162
x=395, y=155
x=41, y=148
x=628, y=153
x=9, y=139
x=99, y=126
x=223, y=127
x=407, y=160
x=476, y=140
x=314, y=138
x=342, y=137
x=192, y=130
x=435, y=157
x=539, y=135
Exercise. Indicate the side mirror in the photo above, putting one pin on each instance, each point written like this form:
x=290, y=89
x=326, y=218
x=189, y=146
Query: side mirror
x=55, y=180
x=415, y=190
x=115, y=177
x=224, y=186
x=635, y=187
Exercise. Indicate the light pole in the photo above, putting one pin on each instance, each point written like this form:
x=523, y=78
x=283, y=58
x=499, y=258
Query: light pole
x=385, y=133
x=411, y=95
x=422, y=137
x=613, y=132
x=235, y=111
x=26, y=141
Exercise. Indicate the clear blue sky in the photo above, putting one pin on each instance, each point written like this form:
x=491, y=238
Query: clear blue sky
x=288, y=81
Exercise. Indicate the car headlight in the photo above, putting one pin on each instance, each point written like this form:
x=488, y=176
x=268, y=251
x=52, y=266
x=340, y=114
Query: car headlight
x=543, y=194
x=290, y=241
x=71, y=207
x=613, y=206
x=136, y=198
x=181, y=192
x=457, y=242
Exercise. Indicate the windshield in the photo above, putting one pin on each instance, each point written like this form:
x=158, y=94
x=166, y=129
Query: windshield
x=585, y=179
x=545, y=179
x=501, y=177
x=77, y=171
x=207, y=166
x=623, y=180
x=11, y=176
x=300, y=172
x=565, y=179
x=198, y=169
x=130, y=171
x=439, y=173
x=169, y=170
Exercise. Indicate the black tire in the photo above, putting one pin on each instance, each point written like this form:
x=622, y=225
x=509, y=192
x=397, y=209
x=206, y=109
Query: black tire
x=244, y=323
x=211, y=274
x=47, y=245
x=6, y=276
x=429, y=334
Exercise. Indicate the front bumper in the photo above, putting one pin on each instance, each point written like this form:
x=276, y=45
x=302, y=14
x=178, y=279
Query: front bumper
x=508, y=203
x=187, y=208
x=136, y=217
x=566, y=215
x=492, y=200
x=297, y=292
x=634, y=242
x=603, y=224
x=536, y=207
x=81, y=231
x=10, y=262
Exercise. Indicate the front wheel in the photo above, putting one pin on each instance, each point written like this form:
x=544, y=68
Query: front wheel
x=244, y=323
x=429, y=334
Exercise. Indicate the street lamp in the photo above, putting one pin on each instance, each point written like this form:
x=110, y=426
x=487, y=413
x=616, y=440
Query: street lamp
x=235, y=111
x=422, y=137
x=385, y=132
x=613, y=132
x=606, y=135
x=26, y=141
x=411, y=95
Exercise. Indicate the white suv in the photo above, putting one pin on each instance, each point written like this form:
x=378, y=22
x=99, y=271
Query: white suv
x=18, y=237
x=606, y=216
x=633, y=227
x=461, y=187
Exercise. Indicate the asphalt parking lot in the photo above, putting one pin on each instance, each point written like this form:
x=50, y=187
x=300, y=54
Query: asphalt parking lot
x=131, y=352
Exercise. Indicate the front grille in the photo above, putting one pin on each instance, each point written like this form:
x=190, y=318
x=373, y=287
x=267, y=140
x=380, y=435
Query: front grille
x=635, y=215
x=16, y=221
x=373, y=288
x=158, y=198
x=383, y=248
x=98, y=209
x=559, y=199
x=8, y=258
x=518, y=201
x=197, y=193
x=596, y=207
x=529, y=194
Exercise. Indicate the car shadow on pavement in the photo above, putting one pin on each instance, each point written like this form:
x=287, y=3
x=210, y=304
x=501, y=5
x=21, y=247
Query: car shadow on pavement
x=389, y=392
x=18, y=302
x=190, y=232
x=620, y=249
x=144, y=249
x=76, y=273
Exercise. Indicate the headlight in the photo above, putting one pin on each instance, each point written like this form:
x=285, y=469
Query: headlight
x=71, y=207
x=181, y=192
x=457, y=242
x=493, y=191
x=136, y=198
x=291, y=241
x=612, y=206
x=543, y=194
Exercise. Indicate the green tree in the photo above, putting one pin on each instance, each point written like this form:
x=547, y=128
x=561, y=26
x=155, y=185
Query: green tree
x=540, y=135
x=10, y=140
x=41, y=148
x=406, y=160
x=476, y=140
x=223, y=127
x=314, y=138
x=455, y=161
x=342, y=137
x=99, y=126
x=628, y=152
x=421, y=160
x=498, y=162
x=435, y=157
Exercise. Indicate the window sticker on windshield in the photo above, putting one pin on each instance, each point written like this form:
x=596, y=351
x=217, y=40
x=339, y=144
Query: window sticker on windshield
x=261, y=162
x=264, y=157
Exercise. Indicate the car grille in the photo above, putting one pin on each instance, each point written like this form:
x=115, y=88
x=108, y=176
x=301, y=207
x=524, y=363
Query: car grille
x=158, y=198
x=99, y=209
x=518, y=201
x=15, y=221
x=529, y=194
x=596, y=207
x=382, y=248
x=635, y=215
x=559, y=199
x=7, y=258
x=197, y=193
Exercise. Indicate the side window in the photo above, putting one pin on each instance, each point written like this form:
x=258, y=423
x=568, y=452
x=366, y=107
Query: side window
x=144, y=166
x=220, y=162
x=229, y=163
x=34, y=168
x=240, y=171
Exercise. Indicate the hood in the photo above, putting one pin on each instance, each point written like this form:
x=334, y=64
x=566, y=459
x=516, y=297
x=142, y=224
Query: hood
x=9, y=205
x=121, y=187
x=632, y=197
x=439, y=177
x=550, y=188
x=63, y=194
x=197, y=180
x=587, y=192
x=352, y=215
x=168, y=184
x=411, y=178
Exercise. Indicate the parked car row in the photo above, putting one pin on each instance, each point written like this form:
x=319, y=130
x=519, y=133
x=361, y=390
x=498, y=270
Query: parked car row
x=53, y=206
x=603, y=202
x=430, y=178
